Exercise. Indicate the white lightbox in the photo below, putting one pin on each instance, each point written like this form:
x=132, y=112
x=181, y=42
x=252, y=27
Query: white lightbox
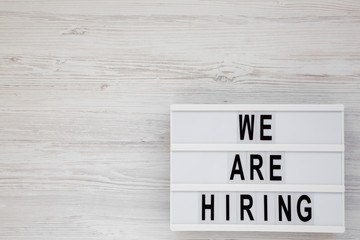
x=257, y=168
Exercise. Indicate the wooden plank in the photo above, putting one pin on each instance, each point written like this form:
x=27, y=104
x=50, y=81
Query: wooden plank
x=86, y=88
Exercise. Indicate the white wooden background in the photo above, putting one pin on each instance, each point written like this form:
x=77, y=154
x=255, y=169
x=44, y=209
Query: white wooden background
x=85, y=89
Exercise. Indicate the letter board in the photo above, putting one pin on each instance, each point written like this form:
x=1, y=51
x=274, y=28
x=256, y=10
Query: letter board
x=257, y=168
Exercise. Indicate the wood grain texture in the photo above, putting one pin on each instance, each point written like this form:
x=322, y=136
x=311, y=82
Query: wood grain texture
x=85, y=89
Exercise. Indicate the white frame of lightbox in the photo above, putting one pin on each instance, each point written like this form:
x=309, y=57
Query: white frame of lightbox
x=260, y=147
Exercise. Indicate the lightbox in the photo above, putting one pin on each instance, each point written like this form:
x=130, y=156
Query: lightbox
x=257, y=168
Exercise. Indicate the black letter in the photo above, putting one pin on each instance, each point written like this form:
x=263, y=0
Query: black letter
x=246, y=207
x=307, y=209
x=227, y=207
x=265, y=208
x=272, y=167
x=263, y=126
x=234, y=171
x=287, y=210
x=255, y=167
x=250, y=127
x=208, y=206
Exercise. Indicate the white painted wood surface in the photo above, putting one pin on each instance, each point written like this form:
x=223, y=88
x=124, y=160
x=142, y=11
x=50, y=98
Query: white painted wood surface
x=85, y=90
